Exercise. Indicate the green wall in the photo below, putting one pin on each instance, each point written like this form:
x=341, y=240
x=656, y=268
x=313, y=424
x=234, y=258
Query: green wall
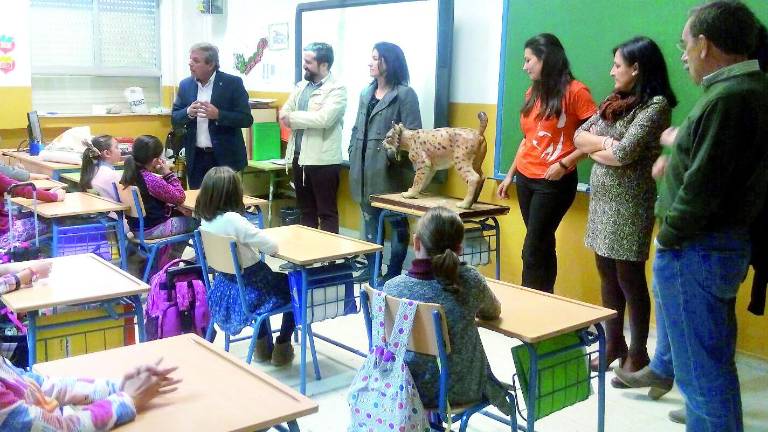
x=589, y=29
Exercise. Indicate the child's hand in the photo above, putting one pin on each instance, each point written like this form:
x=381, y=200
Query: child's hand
x=34, y=176
x=60, y=194
x=163, y=167
x=147, y=382
x=42, y=268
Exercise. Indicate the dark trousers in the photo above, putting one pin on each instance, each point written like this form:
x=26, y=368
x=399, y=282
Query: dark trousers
x=204, y=161
x=622, y=285
x=316, y=190
x=543, y=204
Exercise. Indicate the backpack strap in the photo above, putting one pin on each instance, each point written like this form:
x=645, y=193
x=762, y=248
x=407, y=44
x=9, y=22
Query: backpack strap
x=401, y=329
x=378, y=305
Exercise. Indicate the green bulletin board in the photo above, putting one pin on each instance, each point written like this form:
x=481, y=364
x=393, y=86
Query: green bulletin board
x=589, y=30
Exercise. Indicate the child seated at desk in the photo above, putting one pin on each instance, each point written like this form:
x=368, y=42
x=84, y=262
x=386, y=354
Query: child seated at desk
x=162, y=196
x=220, y=206
x=98, y=171
x=24, y=228
x=437, y=276
x=32, y=402
x=20, y=174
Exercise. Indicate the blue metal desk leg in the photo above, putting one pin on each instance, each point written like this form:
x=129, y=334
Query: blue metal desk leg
x=601, y=377
x=533, y=387
x=54, y=237
x=498, y=247
x=293, y=426
x=272, y=179
x=303, y=322
x=122, y=241
x=139, y=312
x=32, y=338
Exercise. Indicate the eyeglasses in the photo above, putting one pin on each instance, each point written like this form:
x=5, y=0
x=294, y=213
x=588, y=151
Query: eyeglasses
x=681, y=45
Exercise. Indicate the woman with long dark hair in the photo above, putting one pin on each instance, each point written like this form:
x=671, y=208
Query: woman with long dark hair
x=623, y=140
x=555, y=105
x=387, y=100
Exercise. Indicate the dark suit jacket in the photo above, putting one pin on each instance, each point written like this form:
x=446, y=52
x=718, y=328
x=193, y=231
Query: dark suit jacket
x=231, y=98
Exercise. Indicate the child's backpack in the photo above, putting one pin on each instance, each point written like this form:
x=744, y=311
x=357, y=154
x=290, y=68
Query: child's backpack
x=177, y=302
x=383, y=396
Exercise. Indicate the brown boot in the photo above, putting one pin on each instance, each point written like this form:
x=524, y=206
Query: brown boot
x=282, y=354
x=264, y=348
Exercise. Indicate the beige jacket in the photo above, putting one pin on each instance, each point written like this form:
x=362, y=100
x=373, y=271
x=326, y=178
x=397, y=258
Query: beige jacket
x=322, y=123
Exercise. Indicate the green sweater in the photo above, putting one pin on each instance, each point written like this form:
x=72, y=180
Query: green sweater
x=717, y=174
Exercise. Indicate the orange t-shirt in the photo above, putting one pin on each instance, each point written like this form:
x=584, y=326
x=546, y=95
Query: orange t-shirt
x=549, y=140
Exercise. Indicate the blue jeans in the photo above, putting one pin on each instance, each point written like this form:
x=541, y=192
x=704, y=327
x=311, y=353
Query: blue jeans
x=398, y=242
x=695, y=287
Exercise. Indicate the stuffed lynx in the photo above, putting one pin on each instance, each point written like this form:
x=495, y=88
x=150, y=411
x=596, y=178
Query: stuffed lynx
x=431, y=150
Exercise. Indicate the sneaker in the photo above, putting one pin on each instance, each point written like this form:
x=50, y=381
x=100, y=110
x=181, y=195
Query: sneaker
x=645, y=377
x=282, y=354
x=264, y=349
x=678, y=415
x=288, y=267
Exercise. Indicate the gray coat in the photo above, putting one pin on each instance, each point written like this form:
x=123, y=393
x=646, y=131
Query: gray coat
x=379, y=175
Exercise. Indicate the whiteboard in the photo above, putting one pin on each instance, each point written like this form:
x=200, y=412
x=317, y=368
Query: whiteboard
x=352, y=30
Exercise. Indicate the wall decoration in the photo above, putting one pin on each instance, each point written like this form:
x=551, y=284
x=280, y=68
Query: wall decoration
x=245, y=66
x=278, y=36
x=7, y=62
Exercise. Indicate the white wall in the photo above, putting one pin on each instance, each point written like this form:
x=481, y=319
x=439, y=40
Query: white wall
x=476, y=43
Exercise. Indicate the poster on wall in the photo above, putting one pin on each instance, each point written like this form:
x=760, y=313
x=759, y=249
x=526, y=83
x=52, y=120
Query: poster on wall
x=7, y=61
x=278, y=36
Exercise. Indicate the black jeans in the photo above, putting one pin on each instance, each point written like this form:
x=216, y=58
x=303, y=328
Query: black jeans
x=316, y=190
x=204, y=161
x=543, y=204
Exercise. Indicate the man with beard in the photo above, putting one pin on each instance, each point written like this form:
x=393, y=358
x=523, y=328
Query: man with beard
x=213, y=106
x=315, y=111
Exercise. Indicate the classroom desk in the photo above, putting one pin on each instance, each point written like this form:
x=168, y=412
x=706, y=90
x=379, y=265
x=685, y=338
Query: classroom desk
x=532, y=316
x=35, y=165
x=77, y=280
x=274, y=171
x=217, y=393
x=482, y=215
x=191, y=197
x=80, y=203
x=306, y=247
x=74, y=177
x=47, y=184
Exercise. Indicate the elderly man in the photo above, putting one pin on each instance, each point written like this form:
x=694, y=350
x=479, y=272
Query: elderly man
x=715, y=185
x=213, y=106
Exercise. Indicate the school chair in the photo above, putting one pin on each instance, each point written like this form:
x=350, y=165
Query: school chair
x=429, y=336
x=220, y=254
x=148, y=247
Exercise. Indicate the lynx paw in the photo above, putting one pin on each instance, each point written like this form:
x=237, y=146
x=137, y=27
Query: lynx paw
x=410, y=194
x=464, y=205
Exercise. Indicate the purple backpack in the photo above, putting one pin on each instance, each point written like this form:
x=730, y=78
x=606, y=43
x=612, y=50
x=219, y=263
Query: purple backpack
x=176, y=302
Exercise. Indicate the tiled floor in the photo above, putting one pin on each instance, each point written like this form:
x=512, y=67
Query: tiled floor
x=626, y=410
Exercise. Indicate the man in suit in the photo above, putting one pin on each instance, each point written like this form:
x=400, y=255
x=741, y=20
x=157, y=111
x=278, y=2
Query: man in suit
x=213, y=106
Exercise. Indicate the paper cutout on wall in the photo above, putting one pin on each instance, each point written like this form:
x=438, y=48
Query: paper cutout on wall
x=246, y=66
x=7, y=62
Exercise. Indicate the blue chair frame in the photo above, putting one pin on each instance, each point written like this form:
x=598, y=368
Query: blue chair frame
x=438, y=417
x=255, y=318
x=148, y=248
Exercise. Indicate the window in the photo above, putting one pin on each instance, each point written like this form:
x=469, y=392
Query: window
x=86, y=52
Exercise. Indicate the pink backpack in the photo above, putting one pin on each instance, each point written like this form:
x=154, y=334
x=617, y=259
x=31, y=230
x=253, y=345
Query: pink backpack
x=176, y=302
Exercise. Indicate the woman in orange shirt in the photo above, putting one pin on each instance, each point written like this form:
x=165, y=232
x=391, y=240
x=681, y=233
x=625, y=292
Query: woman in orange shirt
x=545, y=165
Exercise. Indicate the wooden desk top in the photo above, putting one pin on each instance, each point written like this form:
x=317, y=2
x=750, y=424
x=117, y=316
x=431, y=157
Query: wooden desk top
x=36, y=160
x=74, y=177
x=48, y=184
x=266, y=166
x=532, y=316
x=75, y=279
x=304, y=246
x=218, y=393
x=191, y=197
x=75, y=203
x=417, y=207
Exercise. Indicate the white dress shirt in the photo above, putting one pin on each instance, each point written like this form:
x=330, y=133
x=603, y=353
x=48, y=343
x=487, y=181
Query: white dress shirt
x=204, y=95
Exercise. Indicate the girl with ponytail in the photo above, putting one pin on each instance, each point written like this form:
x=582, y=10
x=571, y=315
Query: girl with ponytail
x=437, y=275
x=98, y=171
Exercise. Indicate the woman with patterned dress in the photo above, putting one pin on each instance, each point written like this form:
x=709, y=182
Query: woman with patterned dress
x=623, y=140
